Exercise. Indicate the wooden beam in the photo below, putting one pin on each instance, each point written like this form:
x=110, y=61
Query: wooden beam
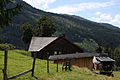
x=20, y=74
x=33, y=65
x=5, y=65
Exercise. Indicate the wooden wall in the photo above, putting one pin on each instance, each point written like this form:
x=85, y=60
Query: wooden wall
x=80, y=62
x=84, y=62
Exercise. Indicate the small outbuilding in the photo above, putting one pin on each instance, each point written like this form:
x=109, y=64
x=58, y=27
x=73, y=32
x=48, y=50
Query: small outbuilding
x=104, y=64
x=77, y=59
x=47, y=46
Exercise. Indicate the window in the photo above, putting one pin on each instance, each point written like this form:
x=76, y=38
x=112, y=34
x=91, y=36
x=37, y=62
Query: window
x=55, y=52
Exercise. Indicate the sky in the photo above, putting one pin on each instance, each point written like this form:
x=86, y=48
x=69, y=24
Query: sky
x=104, y=11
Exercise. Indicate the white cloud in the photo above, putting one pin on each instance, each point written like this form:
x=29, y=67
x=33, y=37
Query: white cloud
x=69, y=9
x=107, y=18
x=40, y=4
x=63, y=9
x=116, y=20
x=97, y=13
x=102, y=17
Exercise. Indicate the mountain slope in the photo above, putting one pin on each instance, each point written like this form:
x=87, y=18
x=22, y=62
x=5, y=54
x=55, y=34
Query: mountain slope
x=75, y=28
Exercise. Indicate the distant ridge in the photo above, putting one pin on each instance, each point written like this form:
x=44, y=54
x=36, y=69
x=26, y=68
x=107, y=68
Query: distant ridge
x=74, y=27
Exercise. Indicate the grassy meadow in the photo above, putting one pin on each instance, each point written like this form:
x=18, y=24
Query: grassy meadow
x=20, y=61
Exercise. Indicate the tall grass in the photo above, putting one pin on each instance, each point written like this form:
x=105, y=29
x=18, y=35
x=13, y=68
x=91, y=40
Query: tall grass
x=18, y=62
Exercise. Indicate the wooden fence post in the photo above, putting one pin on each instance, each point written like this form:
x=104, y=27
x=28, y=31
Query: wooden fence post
x=33, y=66
x=57, y=66
x=48, y=66
x=5, y=65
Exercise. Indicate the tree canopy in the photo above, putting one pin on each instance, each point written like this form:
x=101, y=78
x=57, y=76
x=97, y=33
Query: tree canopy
x=117, y=56
x=89, y=45
x=27, y=33
x=45, y=27
x=7, y=47
x=99, y=49
x=7, y=12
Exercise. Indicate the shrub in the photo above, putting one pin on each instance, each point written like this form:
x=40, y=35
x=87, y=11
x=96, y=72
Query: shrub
x=7, y=47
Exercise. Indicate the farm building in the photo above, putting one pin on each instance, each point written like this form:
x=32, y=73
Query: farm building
x=46, y=46
x=78, y=59
x=82, y=59
x=104, y=64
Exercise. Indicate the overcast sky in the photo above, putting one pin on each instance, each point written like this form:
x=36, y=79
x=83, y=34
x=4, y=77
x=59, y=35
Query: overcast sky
x=107, y=11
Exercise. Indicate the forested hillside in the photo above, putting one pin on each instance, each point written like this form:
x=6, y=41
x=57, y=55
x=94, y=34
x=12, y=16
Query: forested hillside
x=75, y=28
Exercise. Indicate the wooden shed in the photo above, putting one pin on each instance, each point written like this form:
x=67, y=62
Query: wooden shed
x=46, y=46
x=104, y=64
x=78, y=59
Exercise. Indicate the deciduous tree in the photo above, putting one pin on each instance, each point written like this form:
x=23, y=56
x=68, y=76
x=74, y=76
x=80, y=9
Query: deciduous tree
x=8, y=9
x=45, y=27
x=27, y=33
x=117, y=56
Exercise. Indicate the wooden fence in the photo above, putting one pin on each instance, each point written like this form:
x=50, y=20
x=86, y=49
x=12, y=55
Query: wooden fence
x=5, y=77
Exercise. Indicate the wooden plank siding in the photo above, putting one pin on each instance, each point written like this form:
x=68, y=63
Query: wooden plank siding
x=84, y=62
x=80, y=62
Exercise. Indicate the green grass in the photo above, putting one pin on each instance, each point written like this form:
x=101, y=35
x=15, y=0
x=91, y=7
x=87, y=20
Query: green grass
x=17, y=62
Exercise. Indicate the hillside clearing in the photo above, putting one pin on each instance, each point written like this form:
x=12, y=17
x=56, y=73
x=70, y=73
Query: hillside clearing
x=18, y=63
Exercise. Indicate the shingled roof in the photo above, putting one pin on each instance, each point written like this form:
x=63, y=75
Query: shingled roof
x=71, y=56
x=38, y=43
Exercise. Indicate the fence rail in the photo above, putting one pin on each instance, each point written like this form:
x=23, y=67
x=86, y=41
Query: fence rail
x=5, y=77
x=20, y=74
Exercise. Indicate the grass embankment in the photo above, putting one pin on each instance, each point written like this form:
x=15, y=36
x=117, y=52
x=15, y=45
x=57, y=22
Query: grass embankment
x=18, y=63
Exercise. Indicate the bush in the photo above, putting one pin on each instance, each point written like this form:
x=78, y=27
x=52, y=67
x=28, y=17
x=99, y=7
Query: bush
x=7, y=47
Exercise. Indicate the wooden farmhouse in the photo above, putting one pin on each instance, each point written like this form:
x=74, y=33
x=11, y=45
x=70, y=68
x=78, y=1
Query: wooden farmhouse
x=78, y=59
x=46, y=46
